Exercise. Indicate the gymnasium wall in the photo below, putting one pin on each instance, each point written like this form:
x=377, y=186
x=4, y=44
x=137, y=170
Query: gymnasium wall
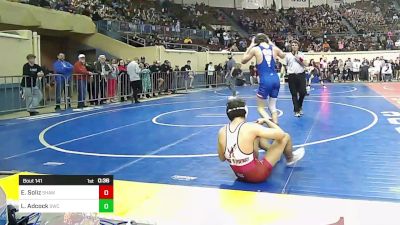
x=217, y=57
x=199, y=59
x=15, y=46
x=37, y=18
x=116, y=48
x=18, y=45
x=180, y=58
x=359, y=55
x=50, y=47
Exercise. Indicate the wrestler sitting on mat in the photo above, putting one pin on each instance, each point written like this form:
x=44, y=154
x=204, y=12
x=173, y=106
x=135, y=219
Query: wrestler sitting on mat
x=239, y=142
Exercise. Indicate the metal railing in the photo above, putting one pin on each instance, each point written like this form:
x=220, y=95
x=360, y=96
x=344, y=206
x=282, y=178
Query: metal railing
x=24, y=92
x=18, y=93
x=132, y=38
x=178, y=46
x=135, y=27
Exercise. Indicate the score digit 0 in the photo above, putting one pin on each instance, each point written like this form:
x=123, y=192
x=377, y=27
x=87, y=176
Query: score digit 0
x=106, y=192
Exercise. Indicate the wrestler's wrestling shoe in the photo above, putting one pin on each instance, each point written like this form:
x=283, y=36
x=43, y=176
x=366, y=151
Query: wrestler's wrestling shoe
x=297, y=155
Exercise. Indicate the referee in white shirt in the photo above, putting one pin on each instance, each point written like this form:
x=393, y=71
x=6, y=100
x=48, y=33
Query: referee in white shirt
x=295, y=65
x=134, y=70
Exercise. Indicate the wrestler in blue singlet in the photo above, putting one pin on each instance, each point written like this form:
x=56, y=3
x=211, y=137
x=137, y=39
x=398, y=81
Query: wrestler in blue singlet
x=269, y=79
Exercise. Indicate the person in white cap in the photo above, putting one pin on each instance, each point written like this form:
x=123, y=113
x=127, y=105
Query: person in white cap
x=81, y=75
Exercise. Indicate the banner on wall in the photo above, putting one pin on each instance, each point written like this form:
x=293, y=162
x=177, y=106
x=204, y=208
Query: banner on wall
x=253, y=4
x=295, y=4
x=256, y=4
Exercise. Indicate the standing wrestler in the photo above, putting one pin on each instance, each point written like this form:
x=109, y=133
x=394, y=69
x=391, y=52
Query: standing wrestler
x=265, y=53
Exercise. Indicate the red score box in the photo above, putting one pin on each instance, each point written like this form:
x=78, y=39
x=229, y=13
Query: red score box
x=106, y=192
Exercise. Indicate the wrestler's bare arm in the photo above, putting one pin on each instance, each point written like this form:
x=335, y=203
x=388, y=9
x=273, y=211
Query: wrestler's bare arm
x=221, y=141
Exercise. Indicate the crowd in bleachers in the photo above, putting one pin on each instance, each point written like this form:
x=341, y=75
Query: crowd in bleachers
x=140, y=11
x=364, y=17
x=261, y=21
x=157, y=39
x=355, y=70
x=319, y=28
x=347, y=43
x=316, y=20
x=371, y=16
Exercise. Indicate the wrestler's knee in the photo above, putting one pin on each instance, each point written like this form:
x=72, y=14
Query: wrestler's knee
x=286, y=136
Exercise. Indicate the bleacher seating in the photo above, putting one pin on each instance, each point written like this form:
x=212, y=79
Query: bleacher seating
x=319, y=28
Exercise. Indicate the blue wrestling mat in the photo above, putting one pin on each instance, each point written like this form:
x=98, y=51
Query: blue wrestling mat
x=352, y=151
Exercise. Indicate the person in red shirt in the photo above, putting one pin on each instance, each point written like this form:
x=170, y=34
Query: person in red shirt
x=123, y=80
x=81, y=75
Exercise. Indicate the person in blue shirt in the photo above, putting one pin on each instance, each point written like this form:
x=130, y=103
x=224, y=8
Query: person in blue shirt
x=64, y=69
x=265, y=53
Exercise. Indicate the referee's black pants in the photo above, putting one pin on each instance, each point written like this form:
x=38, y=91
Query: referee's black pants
x=136, y=89
x=297, y=86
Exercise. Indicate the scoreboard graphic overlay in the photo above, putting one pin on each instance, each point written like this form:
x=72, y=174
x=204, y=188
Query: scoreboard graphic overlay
x=66, y=193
